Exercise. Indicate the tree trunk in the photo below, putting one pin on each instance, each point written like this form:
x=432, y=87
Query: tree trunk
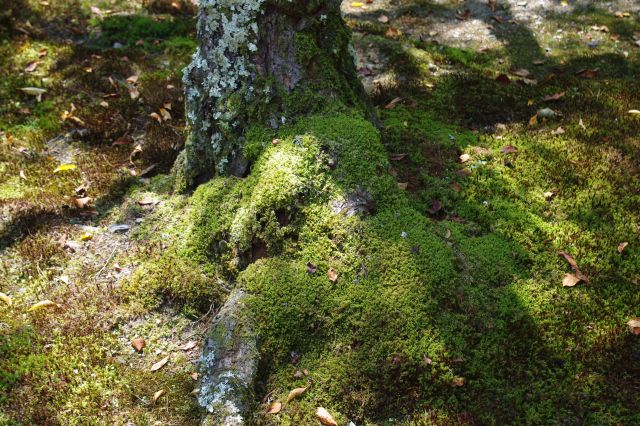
x=262, y=62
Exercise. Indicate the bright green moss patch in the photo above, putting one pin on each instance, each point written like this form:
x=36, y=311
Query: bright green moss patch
x=127, y=30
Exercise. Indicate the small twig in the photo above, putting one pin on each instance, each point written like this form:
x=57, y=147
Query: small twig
x=106, y=263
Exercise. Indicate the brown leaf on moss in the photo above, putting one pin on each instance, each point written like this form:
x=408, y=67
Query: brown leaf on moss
x=158, y=394
x=554, y=97
x=574, y=265
x=275, y=407
x=622, y=246
x=570, y=280
x=521, y=72
x=333, y=275
x=325, y=418
x=138, y=344
x=188, y=346
x=634, y=326
x=82, y=203
x=509, y=149
x=31, y=67
x=393, y=103
x=158, y=365
x=458, y=382
x=295, y=393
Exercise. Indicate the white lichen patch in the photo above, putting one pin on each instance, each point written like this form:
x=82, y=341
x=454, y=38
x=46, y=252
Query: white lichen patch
x=220, y=67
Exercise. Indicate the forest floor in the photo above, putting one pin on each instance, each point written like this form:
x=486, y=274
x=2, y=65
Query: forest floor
x=506, y=123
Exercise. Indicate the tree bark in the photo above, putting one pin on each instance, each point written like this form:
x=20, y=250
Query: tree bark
x=262, y=62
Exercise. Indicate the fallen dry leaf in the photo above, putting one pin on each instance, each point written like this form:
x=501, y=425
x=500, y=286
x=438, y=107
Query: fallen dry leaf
x=570, y=280
x=138, y=344
x=521, y=72
x=156, y=117
x=634, y=326
x=403, y=186
x=464, y=158
x=31, y=67
x=634, y=111
x=458, y=382
x=275, y=407
x=188, y=346
x=558, y=131
x=383, y=19
x=393, y=32
x=333, y=275
x=509, y=149
x=42, y=305
x=295, y=393
x=325, y=418
x=554, y=97
x=393, y=103
x=82, y=203
x=6, y=299
x=158, y=394
x=622, y=246
x=165, y=114
x=397, y=157
x=572, y=262
x=158, y=365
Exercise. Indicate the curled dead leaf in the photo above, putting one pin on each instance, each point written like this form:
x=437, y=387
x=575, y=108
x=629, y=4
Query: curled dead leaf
x=295, y=393
x=521, y=72
x=458, y=382
x=158, y=365
x=634, y=326
x=509, y=149
x=31, y=67
x=82, y=203
x=554, y=97
x=325, y=418
x=464, y=158
x=570, y=280
x=274, y=407
x=622, y=246
x=6, y=299
x=393, y=103
x=333, y=275
x=188, y=346
x=138, y=344
x=158, y=394
x=43, y=305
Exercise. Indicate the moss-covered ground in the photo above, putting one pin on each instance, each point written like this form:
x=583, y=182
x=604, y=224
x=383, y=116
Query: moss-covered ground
x=448, y=307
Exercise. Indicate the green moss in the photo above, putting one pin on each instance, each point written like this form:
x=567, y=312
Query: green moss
x=127, y=30
x=174, y=278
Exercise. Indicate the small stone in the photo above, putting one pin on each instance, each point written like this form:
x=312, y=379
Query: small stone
x=118, y=228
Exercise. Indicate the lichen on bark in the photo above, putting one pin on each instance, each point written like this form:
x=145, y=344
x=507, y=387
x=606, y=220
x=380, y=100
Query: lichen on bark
x=262, y=62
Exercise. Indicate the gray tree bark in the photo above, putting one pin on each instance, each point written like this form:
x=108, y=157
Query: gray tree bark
x=262, y=62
